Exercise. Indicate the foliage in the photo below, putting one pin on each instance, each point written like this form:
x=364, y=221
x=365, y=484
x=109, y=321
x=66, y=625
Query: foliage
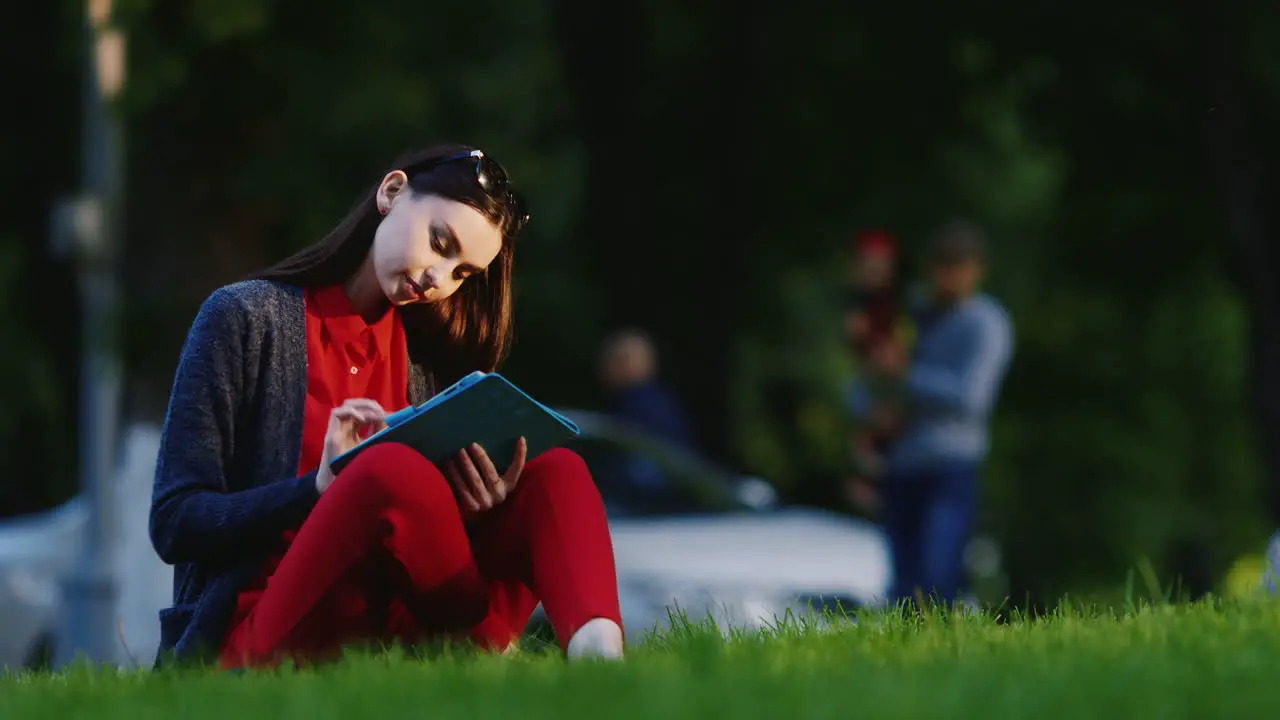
x=38, y=330
x=31, y=421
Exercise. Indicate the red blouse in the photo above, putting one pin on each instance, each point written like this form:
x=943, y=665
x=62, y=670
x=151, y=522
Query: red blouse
x=346, y=358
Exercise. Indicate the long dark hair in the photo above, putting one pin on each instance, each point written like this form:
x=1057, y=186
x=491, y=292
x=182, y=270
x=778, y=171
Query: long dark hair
x=473, y=328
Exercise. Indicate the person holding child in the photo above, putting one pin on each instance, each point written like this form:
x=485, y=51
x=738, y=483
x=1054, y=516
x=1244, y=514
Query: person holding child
x=947, y=392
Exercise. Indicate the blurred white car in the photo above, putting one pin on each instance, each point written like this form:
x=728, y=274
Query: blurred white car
x=38, y=551
x=33, y=550
x=712, y=543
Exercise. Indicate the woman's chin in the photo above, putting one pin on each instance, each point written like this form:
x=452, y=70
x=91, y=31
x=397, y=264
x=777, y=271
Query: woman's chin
x=405, y=299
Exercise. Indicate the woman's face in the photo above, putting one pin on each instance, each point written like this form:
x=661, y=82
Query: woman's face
x=427, y=246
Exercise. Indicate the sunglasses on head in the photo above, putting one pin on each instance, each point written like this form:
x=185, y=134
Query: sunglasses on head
x=493, y=179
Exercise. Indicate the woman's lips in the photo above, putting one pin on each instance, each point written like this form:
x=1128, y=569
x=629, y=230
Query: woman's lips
x=414, y=288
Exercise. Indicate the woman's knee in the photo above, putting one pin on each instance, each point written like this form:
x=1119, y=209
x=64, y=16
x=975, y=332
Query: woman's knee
x=396, y=475
x=559, y=471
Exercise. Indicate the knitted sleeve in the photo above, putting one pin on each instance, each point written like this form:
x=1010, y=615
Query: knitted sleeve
x=194, y=518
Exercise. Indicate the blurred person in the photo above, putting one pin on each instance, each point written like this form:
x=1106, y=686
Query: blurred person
x=1271, y=557
x=636, y=395
x=878, y=329
x=276, y=557
x=963, y=347
x=1271, y=567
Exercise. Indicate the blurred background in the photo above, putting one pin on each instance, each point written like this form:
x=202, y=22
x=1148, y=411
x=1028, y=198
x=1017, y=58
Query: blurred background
x=700, y=171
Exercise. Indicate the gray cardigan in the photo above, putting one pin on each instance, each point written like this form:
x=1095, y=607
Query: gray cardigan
x=225, y=485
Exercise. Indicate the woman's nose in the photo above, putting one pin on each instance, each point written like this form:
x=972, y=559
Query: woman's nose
x=430, y=279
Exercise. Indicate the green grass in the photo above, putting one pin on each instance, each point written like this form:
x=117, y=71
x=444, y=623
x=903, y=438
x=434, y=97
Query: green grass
x=1164, y=661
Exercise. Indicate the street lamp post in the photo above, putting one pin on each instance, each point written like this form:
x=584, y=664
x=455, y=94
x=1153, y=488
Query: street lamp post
x=87, y=228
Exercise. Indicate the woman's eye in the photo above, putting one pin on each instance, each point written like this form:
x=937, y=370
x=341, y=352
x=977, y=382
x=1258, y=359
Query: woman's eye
x=437, y=244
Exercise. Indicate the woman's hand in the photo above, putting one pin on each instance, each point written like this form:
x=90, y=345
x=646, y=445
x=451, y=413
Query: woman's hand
x=349, y=423
x=476, y=480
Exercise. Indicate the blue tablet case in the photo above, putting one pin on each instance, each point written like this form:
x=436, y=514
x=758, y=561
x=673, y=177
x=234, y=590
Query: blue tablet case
x=483, y=408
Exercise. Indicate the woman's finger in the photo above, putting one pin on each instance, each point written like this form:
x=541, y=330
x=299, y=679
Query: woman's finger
x=347, y=413
x=469, y=500
x=365, y=404
x=492, y=479
x=361, y=415
x=460, y=488
x=364, y=411
x=474, y=482
x=512, y=475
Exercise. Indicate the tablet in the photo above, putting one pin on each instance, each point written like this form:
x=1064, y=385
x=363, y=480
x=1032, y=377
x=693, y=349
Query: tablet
x=483, y=408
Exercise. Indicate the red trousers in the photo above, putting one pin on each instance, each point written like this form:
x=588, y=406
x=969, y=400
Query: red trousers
x=385, y=556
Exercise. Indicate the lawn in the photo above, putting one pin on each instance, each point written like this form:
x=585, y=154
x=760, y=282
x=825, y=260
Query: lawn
x=1164, y=661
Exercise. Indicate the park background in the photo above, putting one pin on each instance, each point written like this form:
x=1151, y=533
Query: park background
x=698, y=169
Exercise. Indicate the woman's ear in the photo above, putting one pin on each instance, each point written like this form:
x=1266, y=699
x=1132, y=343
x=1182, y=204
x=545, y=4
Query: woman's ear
x=393, y=186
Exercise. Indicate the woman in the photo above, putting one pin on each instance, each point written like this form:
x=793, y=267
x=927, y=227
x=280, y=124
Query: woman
x=277, y=558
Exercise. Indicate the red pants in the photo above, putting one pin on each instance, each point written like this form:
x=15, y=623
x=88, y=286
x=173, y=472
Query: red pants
x=385, y=556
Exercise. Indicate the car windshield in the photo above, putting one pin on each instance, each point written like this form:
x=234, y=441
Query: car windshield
x=656, y=481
